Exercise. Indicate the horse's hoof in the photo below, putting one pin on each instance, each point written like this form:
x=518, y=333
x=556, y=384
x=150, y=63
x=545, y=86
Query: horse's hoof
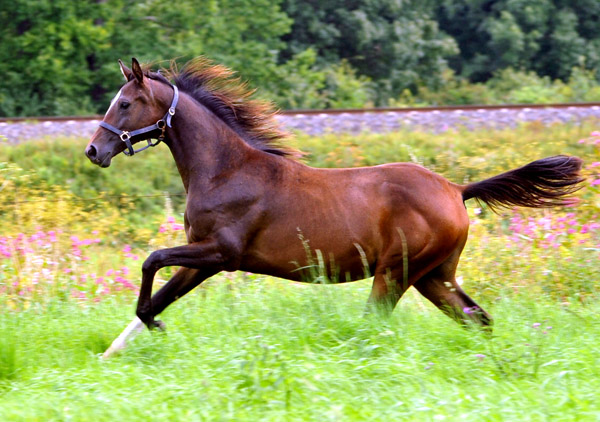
x=159, y=325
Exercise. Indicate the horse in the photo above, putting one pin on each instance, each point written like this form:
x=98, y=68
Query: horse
x=253, y=206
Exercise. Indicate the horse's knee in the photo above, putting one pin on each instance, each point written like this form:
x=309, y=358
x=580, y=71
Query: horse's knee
x=153, y=262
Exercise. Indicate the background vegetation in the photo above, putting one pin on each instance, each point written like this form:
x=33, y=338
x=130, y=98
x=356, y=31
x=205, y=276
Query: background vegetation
x=250, y=347
x=59, y=57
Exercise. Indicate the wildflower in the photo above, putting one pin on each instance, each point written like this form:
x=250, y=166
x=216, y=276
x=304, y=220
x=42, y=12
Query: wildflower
x=480, y=357
x=470, y=310
x=536, y=325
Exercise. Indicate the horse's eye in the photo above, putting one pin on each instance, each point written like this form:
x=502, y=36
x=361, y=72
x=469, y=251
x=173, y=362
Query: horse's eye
x=124, y=104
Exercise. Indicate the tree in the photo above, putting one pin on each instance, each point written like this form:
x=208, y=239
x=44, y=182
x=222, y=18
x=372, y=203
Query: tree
x=550, y=37
x=395, y=43
x=59, y=56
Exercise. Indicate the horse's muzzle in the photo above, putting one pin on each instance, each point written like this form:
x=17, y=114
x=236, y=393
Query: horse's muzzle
x=103, y=160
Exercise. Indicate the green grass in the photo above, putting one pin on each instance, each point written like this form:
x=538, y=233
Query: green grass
x=264, y=350
x=252, y=348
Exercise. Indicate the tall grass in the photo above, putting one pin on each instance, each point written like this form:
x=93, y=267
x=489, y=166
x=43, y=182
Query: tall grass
x=273, y=351
x=249, y=347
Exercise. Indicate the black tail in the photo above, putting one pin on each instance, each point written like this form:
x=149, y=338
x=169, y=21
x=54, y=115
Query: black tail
x=542, y=183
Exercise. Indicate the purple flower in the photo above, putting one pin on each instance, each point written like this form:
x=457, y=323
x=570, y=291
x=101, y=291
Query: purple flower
x=536, y=325
x=480, y=356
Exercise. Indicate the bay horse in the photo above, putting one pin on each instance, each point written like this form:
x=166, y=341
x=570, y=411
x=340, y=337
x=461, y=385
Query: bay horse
x=252, y=206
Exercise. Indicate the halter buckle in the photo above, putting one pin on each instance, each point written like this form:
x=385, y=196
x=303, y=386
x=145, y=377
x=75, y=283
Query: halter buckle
x=172, y=111
x=125, y=136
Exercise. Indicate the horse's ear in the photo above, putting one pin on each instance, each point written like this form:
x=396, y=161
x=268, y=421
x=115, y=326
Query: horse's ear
x=137, y=71
x=125, y=71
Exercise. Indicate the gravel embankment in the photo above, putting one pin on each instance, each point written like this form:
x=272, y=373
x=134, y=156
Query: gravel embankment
x=431, y=121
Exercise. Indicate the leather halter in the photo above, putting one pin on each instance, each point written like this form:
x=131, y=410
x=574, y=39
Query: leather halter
x=161, y=125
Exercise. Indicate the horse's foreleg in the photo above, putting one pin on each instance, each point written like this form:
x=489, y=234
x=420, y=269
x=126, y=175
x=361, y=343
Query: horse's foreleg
x=208, y=257
x=184, y=280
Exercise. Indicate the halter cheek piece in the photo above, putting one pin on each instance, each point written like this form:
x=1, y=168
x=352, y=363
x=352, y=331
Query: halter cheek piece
x=159, y=125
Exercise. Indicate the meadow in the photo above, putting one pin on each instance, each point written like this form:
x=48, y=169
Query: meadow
x=250, y=347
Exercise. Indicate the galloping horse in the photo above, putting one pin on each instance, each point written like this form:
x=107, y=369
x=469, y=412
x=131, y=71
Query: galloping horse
x=252, y=206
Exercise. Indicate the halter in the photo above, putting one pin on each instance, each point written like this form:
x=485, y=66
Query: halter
x=161, y=125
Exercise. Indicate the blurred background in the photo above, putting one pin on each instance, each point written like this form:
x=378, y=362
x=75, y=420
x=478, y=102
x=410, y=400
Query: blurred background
x=59, y=57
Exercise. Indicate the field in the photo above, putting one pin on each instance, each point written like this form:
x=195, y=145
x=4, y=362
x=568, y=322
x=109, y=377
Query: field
x=249, y=347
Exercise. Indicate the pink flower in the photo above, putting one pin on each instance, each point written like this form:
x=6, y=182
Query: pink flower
x=470, y=310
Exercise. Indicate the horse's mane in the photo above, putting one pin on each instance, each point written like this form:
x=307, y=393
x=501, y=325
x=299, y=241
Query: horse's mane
x=217, y=88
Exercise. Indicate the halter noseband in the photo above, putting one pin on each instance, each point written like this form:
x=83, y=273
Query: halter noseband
x=159, y=125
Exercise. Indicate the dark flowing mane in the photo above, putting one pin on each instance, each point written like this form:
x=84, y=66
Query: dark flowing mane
x=217, y=88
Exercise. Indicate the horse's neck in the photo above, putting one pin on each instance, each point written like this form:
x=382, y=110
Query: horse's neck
x=202, y=145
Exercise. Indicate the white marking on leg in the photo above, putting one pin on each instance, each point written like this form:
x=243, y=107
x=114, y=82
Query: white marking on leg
x=129, y=333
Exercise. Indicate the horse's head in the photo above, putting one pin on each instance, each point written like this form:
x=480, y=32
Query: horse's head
x=136, y=113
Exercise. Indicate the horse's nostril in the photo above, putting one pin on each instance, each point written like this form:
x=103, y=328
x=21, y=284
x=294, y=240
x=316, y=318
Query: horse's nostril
x=91, y=151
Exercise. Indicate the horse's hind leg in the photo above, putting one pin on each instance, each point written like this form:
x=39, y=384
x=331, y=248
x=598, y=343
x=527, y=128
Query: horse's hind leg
x=441, y=288
x=388, y=287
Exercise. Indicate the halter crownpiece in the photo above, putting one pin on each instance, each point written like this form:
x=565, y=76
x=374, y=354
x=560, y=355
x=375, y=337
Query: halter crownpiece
x=161, y=125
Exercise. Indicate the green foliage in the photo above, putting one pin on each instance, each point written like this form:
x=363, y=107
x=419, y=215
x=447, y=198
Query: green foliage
x=59, y=57
x=303, y=85
x=396, y=44
x=143, y=186
x=550, y=37
x=509, y=86
x=250, y=347
x=263, y=351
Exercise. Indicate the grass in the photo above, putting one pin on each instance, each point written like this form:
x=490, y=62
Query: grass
x=266, y=350
x=252, y=348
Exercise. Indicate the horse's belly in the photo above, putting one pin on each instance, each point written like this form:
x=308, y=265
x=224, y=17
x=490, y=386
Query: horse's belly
x=310, y=260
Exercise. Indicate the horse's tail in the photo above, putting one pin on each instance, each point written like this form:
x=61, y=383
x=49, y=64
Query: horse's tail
x=539, y=184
